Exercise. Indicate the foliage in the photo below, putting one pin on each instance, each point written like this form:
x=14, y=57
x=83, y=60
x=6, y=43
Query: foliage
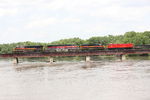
x=75, y=41
x=137, y=37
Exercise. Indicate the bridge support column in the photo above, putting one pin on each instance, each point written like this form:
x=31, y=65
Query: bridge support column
x=121, y=57
x=51, y=59
x=16, y=60
x=87, y=58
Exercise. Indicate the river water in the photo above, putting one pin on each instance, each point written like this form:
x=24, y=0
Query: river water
x=76, y=80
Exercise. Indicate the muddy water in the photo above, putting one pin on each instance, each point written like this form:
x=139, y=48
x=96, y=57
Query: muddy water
x=98, y=80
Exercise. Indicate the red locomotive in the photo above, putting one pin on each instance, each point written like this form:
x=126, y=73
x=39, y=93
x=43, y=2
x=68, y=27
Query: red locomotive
x=120, y=46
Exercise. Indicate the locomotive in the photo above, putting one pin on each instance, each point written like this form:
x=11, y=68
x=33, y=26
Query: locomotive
x=142, y=46
x=61, y=48
x=120, y=46
x=76, y=48
x=28, y=49
x=91, y=47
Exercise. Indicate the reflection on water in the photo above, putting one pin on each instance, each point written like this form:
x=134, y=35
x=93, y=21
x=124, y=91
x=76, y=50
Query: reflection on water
x=97, y=80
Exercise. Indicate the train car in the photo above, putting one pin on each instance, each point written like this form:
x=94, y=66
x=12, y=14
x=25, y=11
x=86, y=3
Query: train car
x=146, y=46
x=61, y=48
x=120, y=46
x=91, y=47
x=28, y=49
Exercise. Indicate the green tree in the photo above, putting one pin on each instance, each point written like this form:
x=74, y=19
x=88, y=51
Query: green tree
x=75, y=41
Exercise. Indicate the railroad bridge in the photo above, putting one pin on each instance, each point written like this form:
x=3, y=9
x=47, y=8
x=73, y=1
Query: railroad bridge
x=87, y=54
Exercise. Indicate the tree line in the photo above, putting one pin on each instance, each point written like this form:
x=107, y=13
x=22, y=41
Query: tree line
x=137, y=38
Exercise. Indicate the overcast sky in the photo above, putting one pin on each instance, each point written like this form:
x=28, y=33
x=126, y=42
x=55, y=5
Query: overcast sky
x=50, y=20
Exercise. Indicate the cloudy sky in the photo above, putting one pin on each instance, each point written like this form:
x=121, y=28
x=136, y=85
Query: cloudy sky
x=50, y=20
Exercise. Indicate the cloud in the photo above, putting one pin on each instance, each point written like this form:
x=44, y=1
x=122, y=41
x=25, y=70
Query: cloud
x=9, y=35
x=66, y=18
x=8, y=12
x=41, y=22
x=44, y=22
x=124, y=10
x=19, y=2
x=122, y=13
x=76, y=5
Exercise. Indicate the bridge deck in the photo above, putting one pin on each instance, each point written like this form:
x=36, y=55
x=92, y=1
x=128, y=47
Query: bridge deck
x=89, y=53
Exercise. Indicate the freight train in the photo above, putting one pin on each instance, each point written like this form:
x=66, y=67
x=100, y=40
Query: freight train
x=76, y=48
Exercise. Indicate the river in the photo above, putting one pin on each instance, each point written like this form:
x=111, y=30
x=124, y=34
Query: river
x=76, y=80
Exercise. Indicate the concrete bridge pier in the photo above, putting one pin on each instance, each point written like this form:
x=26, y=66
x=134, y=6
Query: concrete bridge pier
x=16, y=60
x=124, y=57
x=121, y=57
x=87, y=58
x=51, y=59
